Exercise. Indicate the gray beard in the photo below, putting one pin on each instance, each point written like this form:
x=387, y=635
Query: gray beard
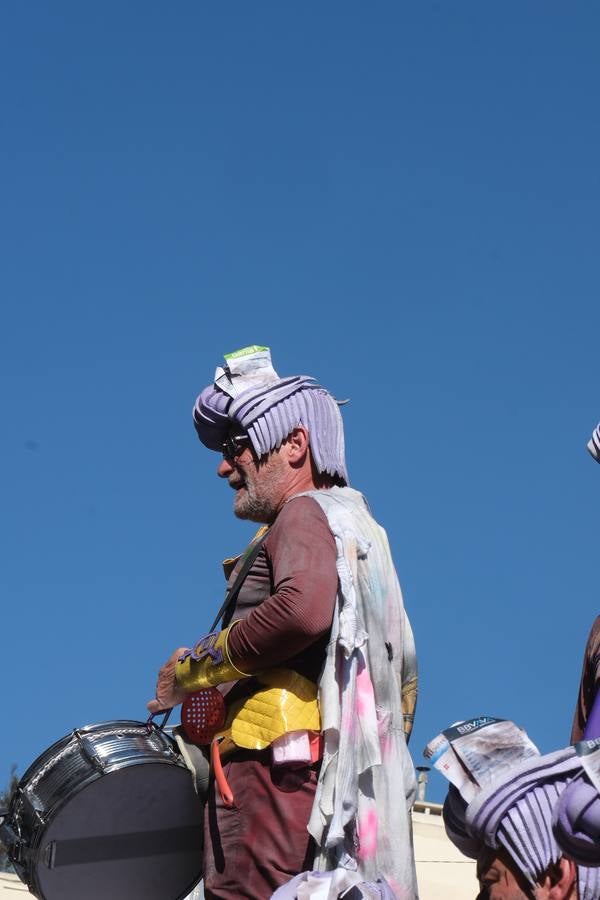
x=252, y=508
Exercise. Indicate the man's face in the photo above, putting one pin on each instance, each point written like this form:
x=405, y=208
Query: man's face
x=260, y=485
x=499, y=879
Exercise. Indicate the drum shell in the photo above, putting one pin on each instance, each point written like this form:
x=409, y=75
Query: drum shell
x=83, y=771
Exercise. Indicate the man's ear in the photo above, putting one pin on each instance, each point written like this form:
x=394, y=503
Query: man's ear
x=563, y=885
x=297, y=445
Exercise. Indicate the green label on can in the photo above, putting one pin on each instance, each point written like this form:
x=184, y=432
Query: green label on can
x=245, y=351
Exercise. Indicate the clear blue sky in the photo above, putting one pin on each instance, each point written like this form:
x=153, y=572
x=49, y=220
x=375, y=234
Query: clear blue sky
x=400, y=199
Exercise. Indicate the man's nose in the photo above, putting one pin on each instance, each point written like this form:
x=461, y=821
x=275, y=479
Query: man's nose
x=225, y=468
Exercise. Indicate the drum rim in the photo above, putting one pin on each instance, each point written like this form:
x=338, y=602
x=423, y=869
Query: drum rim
x=14, y=817
x=63, y=741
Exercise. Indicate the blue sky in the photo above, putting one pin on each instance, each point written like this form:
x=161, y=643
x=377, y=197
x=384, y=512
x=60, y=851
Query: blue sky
x=400, y=199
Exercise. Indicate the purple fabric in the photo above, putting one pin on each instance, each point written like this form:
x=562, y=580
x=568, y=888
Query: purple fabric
x=485, y=814
x=594, y=444
x=210, y=417
x=577, y=822
x=592, y=726
x=368, y=890
x=270, y=412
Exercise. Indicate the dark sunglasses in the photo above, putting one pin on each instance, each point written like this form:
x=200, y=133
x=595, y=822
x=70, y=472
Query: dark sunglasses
x=234, y=446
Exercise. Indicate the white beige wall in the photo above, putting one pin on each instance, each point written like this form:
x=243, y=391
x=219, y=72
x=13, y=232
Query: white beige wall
x=442, y=872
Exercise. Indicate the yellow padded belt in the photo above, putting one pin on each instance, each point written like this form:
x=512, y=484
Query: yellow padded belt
x=285, y=701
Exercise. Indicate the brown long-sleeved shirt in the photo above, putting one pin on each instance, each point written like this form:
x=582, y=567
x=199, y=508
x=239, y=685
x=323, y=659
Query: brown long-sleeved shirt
x=287, y=601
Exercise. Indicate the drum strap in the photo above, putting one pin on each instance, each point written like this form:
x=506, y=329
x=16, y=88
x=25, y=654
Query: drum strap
x=104, y=848
x=245, y=563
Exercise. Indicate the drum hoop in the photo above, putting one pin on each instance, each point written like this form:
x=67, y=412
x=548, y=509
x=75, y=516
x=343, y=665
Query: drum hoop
x=26, y=788
x=74, y=746
x=65, y=741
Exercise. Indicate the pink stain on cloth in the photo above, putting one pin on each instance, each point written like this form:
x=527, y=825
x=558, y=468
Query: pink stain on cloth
x=366, y=709
x=367, y=834
x=365, y=697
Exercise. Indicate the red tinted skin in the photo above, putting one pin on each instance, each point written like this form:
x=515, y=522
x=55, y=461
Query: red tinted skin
x=500, y=879
x=262, y=486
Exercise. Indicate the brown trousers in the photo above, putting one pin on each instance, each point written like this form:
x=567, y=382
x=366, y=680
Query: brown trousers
x=262, y=842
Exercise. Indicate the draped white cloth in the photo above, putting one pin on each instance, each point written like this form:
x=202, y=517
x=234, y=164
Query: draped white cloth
x=361, y=814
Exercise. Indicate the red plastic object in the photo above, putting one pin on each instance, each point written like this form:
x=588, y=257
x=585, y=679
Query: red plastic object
x=202, y=715
x=222, y=784
x=316, y=746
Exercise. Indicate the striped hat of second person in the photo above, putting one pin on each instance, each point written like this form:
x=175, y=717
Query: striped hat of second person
x=594, y=444
x=515, y=813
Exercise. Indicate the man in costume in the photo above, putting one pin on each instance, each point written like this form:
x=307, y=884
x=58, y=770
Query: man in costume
x=503, y=814
x=586, y=722
x=315, y=657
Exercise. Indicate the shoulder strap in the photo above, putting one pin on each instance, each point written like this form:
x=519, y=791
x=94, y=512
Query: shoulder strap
x=231, y=594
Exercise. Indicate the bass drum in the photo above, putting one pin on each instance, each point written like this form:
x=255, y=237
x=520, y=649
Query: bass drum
x=107, y=813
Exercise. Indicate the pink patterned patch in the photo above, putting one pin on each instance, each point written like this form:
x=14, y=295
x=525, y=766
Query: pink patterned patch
x=365, y=697
x=348, y=723
x=367, y=834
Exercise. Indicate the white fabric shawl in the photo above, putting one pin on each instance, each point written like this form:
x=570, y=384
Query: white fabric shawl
x=361, y=815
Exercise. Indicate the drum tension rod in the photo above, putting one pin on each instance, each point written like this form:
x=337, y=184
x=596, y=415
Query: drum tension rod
x=88, y=751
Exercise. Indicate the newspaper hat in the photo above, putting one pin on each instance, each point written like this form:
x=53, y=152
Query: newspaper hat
x=248, y=393
x=514, y=812
x=594, y=444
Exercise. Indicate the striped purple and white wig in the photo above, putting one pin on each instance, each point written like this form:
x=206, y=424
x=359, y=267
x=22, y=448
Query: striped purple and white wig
x=268, y=408
x=515, y=813
x=594, y=444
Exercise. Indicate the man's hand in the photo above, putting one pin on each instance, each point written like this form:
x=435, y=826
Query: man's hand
x=168, y=692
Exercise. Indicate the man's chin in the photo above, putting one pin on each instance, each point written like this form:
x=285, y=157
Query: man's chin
x=248, y=515
x=244, y=508
x=241, y=508
x=241, y=513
